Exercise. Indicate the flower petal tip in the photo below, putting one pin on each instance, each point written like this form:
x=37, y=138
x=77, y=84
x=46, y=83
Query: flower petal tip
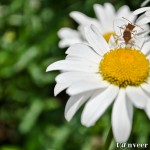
x=87, y=124
x=49, y=68
x=68, y=117
x=55, y=93
x=69, y=92
x=73, y=14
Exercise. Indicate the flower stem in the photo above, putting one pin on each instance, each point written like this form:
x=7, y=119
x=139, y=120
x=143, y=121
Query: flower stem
x=108, y=140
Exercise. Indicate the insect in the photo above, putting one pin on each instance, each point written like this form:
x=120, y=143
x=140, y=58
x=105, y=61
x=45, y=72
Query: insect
x=128, y=33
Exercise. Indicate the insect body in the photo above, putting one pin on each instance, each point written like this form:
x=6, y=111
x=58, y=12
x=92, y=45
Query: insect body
x=128, y=32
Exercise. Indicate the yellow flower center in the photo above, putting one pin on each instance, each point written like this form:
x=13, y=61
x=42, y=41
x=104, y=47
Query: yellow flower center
x=124, y=66
x=108, y=35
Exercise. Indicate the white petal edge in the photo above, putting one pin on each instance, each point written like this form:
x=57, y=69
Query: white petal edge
x=74, y=103
x=102, y=16
x=146, y=48
x=142, y=20
x=123, y=11
x=68, y=33
x=69, y=41
x=82, y=50
x=97, y=105
x=99, y=11
x=137, y=96
x=67, y=65
x=118, y=23
x=96, y=30
x=84, y=86
x=66, y=79
x=112, y=42
x=59, y=87
x=96, y=40
x=147, y=13
x=82, y=19
x=147, y=109
x=141, y=10
x=122, y=114
x=145, y=3
x=77, y=76
x=110, y=15
x=146, y=88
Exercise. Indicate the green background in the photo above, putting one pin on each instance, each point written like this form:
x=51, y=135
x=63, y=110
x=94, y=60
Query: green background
x=31, y=118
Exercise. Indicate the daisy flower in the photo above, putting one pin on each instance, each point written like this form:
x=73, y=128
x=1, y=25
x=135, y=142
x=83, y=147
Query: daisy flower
x=97, y=75
x=104, y=22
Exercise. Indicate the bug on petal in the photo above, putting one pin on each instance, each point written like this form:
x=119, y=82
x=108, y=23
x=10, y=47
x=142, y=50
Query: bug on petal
x=128, y=32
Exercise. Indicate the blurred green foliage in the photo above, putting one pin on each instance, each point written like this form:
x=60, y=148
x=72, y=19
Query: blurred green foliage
x=31, y=118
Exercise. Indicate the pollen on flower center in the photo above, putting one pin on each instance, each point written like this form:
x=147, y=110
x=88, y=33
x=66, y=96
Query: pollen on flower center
x=108, y=35
x=124, y=66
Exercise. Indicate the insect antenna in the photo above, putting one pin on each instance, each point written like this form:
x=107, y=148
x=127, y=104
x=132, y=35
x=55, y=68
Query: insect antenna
x=127, y=19
x=139, y=26
x=132, y=23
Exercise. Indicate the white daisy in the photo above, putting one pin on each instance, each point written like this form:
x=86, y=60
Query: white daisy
x=144, y=18
x=98, y=76
x=104, y=22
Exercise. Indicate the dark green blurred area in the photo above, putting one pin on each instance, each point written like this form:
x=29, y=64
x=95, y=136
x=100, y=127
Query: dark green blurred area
x=31, y=118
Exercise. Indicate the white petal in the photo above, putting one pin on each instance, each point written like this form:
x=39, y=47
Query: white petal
x=112, y=42
x=147, y=109
x=82, y=19
x=82, y=50
x=97, y=105
x=146, y=48
x=67, y=65
x=147, y=13
x=148, y=57
x=66, y=79
x=82, y=60
x=142, y=31
x=96, y=40
x=99, y=11
x=146, y=87
x=68, y=33
x=122, y=114
x=84, y=86
x=98, y=33
x=139, y=42
x=125, y=12
x=137, y=96
x=118, y=23
x=145, y=3
x=59, y=87
x=141, y=10
x=81, y=30
x=102, y=14
x=74, y=103
x=110, y=15
x=68, y=42
x=104, y=45
x=78, y=76
x=143, y=19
